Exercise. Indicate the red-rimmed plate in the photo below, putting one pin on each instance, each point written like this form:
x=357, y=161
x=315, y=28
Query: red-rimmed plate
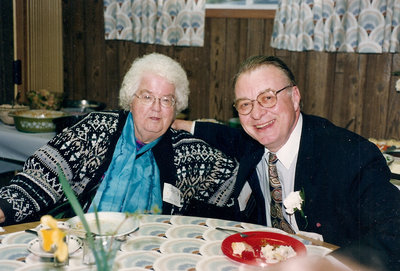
x=257, y=239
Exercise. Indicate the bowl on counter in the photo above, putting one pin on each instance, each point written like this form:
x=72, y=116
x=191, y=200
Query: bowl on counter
x=36, y=121
x=82, y=106
x=5, y=109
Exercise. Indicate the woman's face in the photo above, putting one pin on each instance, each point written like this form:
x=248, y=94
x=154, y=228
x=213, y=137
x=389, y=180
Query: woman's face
x=152, y=120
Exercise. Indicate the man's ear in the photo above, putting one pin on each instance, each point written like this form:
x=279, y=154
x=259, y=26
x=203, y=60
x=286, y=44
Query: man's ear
x=296, y=98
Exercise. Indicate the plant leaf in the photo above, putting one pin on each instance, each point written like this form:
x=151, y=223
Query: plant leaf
x=76, y=206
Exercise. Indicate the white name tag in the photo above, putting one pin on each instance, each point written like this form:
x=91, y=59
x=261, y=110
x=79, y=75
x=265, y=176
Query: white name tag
x=172, y=195
x=244, y=196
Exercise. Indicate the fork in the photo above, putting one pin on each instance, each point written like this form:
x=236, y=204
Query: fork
x=243, y=235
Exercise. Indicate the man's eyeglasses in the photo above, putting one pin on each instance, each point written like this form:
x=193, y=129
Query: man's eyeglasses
x=266, y=99
x=148, y=99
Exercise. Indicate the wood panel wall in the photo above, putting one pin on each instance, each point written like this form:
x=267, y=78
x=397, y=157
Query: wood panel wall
x=6, y=53
x=354, y=90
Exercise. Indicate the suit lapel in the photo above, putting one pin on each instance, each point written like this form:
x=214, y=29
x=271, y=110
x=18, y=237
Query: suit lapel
x=305, y=168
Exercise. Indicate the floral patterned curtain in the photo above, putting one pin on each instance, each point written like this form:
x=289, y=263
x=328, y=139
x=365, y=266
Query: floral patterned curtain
x=363, y=26
x=165, y=22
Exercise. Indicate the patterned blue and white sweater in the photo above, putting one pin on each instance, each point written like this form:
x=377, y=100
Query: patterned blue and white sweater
x=204, y=175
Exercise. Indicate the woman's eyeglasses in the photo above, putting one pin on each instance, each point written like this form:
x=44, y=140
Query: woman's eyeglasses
x=148, y=99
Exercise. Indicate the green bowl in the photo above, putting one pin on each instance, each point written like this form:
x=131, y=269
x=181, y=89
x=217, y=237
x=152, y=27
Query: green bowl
x=36, y=121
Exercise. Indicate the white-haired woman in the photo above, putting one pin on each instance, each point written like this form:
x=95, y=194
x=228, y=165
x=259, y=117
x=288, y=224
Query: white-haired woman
x=130, y=160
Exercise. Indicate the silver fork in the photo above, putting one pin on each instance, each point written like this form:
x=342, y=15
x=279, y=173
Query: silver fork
x=243, y=235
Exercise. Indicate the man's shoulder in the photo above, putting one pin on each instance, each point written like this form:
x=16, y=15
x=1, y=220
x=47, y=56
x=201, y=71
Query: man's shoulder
x=327, y=136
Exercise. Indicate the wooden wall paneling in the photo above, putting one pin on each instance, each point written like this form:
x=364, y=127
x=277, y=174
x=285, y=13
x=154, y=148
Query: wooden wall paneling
x=232, y=65
x=255, y=37
x=362, y=73
x=242, y=39
x=6, y=53
x=317, y=93
x=268, y=29
x=297, y=64
x=128, y=51
x=95, y=52
x=346, y=88
x=113, y=77
x=20, y=41
x=74, y=49
x=393, y=109
x=285, y=56
x=217, y=67
x=376, y=96
x=195, y=61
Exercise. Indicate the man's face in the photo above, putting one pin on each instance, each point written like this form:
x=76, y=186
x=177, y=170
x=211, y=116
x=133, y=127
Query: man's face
x=269, y=126
x=152, y=120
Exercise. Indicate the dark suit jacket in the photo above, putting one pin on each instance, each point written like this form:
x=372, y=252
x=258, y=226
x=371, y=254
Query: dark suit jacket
x=348, y=197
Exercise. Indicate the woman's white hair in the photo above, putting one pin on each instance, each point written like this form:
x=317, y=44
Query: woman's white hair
x=161, y=65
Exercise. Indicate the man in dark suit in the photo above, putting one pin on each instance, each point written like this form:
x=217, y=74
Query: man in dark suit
x=343, y=178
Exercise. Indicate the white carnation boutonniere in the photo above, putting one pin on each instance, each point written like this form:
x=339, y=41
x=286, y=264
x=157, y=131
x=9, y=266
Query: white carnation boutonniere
x=295, y=202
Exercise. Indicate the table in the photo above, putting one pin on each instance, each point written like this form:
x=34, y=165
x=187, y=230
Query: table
x=162, y=242
x=16, y=146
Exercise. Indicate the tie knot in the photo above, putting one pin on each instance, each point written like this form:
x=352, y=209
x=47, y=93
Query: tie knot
x=272, y=158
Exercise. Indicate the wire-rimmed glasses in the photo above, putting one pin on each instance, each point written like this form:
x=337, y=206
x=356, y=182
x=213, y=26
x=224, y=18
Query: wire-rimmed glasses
x=148, y=99
x=266, y=99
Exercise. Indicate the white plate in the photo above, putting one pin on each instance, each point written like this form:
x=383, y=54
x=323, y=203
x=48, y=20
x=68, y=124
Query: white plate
x=84, y=268
x=152, y=229
x=211, y=249
x=13, y=252
x=60, y=225
x=186, y=231
x=183, y=245
x=137, y=259
x=39, y=267
x=155, y=218
x=177, y=262
x=148, y=243
x=18, y=238
x=109, y=223
x=389, y=158
x=269, y=229
x=212, y=222
x=74, y=243
x=181, y=220
x=218, y=263
x=317, y=250
x=213, y=234
x=9, y=265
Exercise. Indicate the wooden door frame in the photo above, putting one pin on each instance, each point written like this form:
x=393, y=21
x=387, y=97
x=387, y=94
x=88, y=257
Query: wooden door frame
x=6, y=53
x=20, y=40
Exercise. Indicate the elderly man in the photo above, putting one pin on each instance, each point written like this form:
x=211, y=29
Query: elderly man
x=338, y=180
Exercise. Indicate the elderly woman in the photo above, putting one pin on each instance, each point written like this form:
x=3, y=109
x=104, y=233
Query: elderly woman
x=128, y=160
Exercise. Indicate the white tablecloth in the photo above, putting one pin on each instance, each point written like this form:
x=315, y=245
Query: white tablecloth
x=16, y=147
x=162, y=242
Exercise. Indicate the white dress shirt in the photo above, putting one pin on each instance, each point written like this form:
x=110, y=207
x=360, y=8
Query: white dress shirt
x=286, y=167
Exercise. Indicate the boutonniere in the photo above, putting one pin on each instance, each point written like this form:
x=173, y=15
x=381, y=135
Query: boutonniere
x=295, y=202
